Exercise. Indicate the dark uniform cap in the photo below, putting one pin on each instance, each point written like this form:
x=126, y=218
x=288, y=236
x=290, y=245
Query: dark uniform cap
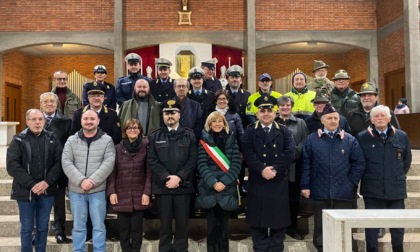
x=318, y=64
x=132, y=57
x=95, y=88
x=196, y=72
x=264, y=76
x=170, y=105
x=321, y=96
x=265, y=101
x=211, y=64
x=235, y=71
x=99, y=69
x=328, y=109
x=162, y=62
x=368, y=88
x=341, y=74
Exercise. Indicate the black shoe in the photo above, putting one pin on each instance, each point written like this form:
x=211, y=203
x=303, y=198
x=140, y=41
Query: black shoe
x=381, y=233
x=294, y=234
x=61, y=238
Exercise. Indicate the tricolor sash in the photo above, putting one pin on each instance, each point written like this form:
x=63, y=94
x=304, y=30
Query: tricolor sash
x=217, y=156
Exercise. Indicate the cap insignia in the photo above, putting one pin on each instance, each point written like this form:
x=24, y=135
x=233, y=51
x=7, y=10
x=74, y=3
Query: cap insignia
x=365, y=85
x=171, y=103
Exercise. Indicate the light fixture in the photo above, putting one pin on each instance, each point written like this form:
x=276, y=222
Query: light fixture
x=312, y=43
x=57, y=45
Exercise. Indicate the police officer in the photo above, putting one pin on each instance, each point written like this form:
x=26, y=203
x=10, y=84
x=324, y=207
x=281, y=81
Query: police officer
x=269, y=149
x=210, y=81
x=125, y=85
x=198, y=93
x=108, y=119
x=238, y=96
x=162, y=88
x=99, y=71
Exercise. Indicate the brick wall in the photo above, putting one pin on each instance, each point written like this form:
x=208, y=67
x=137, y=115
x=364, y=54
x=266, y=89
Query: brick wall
x=316, y=15
x=388, y=11
x=162, y=15
x=64, y=15
x=356, y=65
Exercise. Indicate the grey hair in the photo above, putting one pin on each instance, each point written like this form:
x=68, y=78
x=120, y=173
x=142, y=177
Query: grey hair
x=56, y=73
x=379, y=109
x=29, y=112
x=42, y=96
x=285, y=99
x=176, y=81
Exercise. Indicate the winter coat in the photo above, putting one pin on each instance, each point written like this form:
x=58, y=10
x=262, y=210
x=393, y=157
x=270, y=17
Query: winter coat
x=95, y=162
x=210, y=173
x=172, y=155
x=239, y=102
x=345, y=101
x=130, y=179
x=303, y=101
x=72, y=103
x=332, y=167
x=191, y=116
x=387, y=163
x=18, y=164
x=268, y=200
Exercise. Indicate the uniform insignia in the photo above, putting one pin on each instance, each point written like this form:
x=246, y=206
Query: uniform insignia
x=95, y=84
x=118, y=124
x=235, y=68
x=159, y=142
x=266, y=98
x=365, y=86
x=171, y=103
x=249, y=105
x=108, y=87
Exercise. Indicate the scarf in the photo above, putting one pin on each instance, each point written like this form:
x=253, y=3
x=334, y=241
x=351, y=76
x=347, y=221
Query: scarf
x=401, y=106
x=132, y=147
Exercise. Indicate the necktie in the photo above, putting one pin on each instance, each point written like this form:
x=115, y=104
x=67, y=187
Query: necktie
x=266, y=129
x=383, y=136
x=49, y=119
x=234, y=94
x=331, y=134
x=197, y=93
x=172, y=131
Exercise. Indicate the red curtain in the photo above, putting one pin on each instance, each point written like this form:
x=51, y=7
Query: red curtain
x=223, y=54
x=148, y=55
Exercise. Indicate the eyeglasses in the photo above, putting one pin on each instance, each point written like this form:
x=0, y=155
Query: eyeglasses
x=61, y=79
x=132, y=128
x=95, y=95
x=49, y=101
x=39, y=119
x=221, y=99
x=181, y=86
x=172, y=112
x=265, y=80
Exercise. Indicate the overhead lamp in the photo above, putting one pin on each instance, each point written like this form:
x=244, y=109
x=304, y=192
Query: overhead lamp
x=57, y=45
x=312, y=43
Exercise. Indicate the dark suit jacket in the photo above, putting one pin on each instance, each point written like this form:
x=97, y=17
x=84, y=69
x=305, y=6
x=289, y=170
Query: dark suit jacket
x=191, y=116
x=162, y=92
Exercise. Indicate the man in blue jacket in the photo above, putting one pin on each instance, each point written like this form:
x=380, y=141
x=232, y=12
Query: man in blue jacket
x=388, y=158
x=332, y=168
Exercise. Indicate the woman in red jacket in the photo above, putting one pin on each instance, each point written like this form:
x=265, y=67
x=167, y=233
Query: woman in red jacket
x=129, y=185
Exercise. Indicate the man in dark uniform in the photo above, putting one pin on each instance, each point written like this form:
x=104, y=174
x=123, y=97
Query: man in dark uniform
x=172, y=157
x=198, y=93
x=108, y=119
x=211, y=83
x=125, y=85
x=238, y=96
x=99, y=72
x=60, y=127
x=269, y=149
x=162, y=88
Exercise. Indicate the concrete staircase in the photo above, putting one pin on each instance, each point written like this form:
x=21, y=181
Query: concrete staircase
x=239, y=239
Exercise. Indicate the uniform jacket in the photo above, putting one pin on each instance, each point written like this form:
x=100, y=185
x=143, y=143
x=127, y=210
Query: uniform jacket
x=314, y=123
x=212, y=84
x=129, y=109
x=268, y=201
x=210, y=173
x=18, y=164
x=60, y=127
x=172, y=155
x=110, y=99
x=332, y=167
x=206, y=100
x=130, y=179
x=162, y=92
x=95, y=162
x=359, y=120
x=239, y=101
x=299, y=130
x=72, y=103
x=303, y=104
x=191, y=116
x=387, y=163
x=108, y=122
x=251, y=109
x=125, y=86
x=345, y=101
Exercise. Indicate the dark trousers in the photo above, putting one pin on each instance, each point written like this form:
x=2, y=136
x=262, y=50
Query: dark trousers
x=397, y=234
x=130, y=227
x=294, y=198
x=173, y=206
x=217, y=229
x=59, y=211
x=268, y=239
x=319, y=205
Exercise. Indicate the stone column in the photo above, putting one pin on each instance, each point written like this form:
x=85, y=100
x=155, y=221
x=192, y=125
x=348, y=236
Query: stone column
x=251, y=68
x=412, y=54
x=1, y=85
x=119, y=67
x=372, y=63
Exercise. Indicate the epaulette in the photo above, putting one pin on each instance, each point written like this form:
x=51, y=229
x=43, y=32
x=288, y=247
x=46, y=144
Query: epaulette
x=189, y=129
x=155, y=130
x=85, y=108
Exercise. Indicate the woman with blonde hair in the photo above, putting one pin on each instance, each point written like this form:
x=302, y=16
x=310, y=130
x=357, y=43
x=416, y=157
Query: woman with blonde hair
x=218, y=165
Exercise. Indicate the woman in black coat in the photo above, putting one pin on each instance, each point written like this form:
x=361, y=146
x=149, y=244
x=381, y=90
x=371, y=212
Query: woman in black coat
x=218, y=165
x=129, y=185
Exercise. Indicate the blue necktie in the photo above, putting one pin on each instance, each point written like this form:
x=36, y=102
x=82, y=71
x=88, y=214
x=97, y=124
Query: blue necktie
x=331, y=134
x=266, y=129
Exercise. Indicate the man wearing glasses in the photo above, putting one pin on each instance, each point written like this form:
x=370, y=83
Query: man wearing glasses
x=68, y=101
x=268, y=149
x=108, y=123
x=34, y=160
x=125, y=85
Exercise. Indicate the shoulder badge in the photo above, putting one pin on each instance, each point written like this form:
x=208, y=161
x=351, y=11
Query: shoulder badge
x=249, y=105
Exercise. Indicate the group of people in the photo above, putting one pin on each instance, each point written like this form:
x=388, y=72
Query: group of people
x=188, y=142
